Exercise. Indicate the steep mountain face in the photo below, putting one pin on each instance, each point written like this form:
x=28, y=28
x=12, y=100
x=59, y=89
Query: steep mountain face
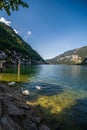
x=76, y=56
x=14, y=48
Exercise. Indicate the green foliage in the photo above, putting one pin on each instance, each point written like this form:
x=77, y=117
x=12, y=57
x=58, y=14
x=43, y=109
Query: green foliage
x=13, y=5
x=14, y=46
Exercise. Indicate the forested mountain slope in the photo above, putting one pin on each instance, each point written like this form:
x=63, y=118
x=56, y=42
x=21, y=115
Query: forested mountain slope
x=15, y=48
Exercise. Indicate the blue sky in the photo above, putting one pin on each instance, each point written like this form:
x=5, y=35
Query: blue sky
x=51, y=26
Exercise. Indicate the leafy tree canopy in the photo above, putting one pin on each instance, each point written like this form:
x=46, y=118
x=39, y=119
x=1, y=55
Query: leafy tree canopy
x=9, y=5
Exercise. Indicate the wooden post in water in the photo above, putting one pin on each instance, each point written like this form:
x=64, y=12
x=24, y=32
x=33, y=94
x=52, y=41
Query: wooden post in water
x=19, y=67
x=1, y=66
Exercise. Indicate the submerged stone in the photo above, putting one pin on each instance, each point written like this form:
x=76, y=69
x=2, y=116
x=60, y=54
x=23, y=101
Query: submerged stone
x=44, y=127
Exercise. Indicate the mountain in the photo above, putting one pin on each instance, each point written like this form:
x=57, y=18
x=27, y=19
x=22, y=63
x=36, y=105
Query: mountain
x=76, y=56
x=13, y=47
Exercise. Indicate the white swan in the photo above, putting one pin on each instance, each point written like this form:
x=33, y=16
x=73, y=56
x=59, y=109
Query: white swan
x=38, y=87
x=25, y=92
x=11, y=83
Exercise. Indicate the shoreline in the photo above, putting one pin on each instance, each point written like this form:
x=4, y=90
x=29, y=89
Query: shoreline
x=16, y=113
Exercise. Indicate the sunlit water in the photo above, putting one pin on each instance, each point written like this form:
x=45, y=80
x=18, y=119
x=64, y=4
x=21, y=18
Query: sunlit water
x=63, y=93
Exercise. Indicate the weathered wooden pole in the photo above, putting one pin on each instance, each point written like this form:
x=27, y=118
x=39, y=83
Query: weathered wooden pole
x=19, y=67
x=1, y=66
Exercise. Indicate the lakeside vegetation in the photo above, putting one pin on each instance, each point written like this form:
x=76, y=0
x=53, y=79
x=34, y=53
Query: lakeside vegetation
x=15, y=48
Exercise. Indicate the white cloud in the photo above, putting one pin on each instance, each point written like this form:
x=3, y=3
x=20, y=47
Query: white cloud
x=3, y=20
x=28, y=34
x=16, y=31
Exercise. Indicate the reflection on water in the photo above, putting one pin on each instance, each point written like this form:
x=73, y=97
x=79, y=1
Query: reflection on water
x=14, y=77
x=11, y=74
x=63, y=94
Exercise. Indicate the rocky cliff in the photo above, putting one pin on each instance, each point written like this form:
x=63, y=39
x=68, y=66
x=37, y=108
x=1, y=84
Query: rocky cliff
x=76, y=56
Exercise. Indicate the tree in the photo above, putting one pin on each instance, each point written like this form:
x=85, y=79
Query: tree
x=9, y=5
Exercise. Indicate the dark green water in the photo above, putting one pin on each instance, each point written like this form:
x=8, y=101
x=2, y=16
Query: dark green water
x=63, y=94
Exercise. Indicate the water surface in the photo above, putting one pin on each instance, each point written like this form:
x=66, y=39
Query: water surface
x=63, y=94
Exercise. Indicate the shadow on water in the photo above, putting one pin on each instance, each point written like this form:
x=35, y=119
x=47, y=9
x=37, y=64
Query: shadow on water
x=79, y=113
x=46, y=89
x=72, y=118
x=25, y=69
x=27, y=72
x=59, y=107
x=54, y=109
x=58, y=104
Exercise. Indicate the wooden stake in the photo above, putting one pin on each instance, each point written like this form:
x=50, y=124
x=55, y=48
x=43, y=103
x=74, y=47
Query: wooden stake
x=19, y=67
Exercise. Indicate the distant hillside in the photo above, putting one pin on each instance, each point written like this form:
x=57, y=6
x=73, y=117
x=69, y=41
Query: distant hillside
x=13, y=47
x=76, y=56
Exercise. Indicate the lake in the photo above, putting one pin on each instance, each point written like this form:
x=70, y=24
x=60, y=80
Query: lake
x=63, y=94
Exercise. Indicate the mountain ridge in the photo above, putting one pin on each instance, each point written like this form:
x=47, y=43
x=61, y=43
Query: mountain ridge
x=15, y=47
x=75, y=56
